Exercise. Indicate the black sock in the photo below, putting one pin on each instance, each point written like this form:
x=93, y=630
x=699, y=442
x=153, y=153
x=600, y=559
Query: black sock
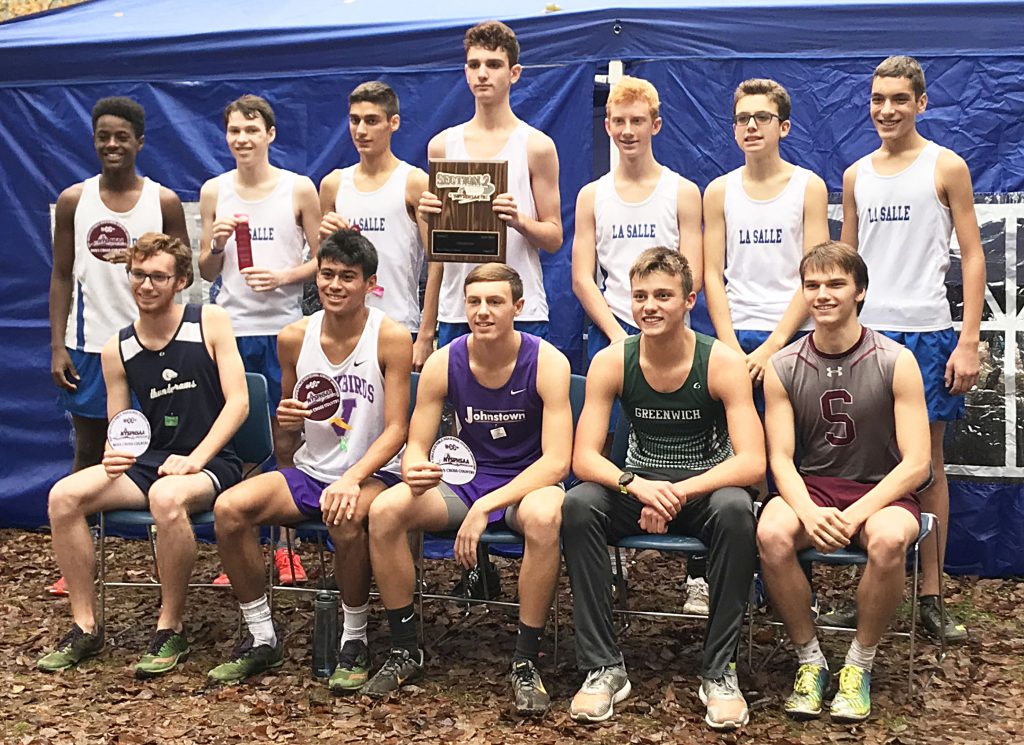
x=528, y=643
x=403, y=628
x=697, y=567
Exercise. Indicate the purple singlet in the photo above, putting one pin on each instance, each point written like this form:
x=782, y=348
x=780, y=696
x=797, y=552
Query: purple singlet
x=501, y=426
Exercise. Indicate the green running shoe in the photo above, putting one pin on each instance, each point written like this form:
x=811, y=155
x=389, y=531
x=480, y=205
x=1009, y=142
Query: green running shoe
x=167, y=649
x=72, y=649
x=853, y=702
x=808, y=691
x=353, y=668
x=247, y=660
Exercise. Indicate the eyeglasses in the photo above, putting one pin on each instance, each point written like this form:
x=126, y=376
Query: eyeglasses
x=158, y=279
x=761, y=117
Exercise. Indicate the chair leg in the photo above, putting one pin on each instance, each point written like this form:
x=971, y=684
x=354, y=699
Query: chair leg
x=555, y=655
x=103, y=571
x=151, y=534
x=913, y=619
x=418, y=590
x=482, y=559
x=942, y=598
x=321, y=549
x=270, y=571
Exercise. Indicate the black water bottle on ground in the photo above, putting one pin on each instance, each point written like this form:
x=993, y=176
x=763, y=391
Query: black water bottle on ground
x=325, y=634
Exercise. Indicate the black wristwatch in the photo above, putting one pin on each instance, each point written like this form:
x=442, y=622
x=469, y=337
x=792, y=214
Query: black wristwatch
x=625, y=480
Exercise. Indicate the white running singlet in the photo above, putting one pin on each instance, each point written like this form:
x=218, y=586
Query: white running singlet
x=764, y=242
x=903, y=233
x=382, y=217
x=330, y=448
x=623, y=230
x=101, y=297
x=277, y=243
x=519, y=254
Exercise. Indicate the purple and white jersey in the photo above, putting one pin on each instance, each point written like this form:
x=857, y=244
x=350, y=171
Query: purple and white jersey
x=331, y=447
x=501, y=426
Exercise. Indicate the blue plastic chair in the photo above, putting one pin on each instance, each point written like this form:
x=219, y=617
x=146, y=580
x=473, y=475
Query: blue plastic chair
x=253, y=443
x=668, y=542
x=851, y=556
x=505, y=537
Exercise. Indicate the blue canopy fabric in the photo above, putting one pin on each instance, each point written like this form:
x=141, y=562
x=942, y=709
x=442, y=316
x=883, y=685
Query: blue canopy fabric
x=184, y=60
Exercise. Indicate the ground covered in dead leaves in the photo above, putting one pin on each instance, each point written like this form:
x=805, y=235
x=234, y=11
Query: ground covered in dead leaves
x=972, y=696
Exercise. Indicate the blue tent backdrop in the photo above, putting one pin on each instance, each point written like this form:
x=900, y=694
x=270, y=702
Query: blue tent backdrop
x=184, y=60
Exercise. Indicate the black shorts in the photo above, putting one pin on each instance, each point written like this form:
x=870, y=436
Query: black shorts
x=224, y=470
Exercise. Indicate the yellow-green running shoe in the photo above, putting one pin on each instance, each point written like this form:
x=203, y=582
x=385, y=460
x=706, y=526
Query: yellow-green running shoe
x=853, y=701
x=353, y=668
x=166, y=650
x=808, y=690
x=72, y=649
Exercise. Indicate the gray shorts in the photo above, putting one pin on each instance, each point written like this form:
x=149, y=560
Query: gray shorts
x=457, y=511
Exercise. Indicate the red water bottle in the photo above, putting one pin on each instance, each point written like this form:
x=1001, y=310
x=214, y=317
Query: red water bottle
x=243, y=243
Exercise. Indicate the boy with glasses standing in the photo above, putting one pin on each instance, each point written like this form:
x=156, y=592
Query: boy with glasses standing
x=758, y=221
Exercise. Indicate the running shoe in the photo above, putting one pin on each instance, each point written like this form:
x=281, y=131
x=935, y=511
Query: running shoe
x=531, y=698
x=604, y=687
x=247, y=660
x=931, y=620
x=58, y=588
x=727, y=709
x=808, y=691
x=399, y=668
x=72, y=649
x=353, y=668
x=697, y=593
x=167, y=648
x=853, y=701
x=289, y=567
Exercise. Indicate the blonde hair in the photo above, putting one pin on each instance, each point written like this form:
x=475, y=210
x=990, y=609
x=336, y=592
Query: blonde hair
x=629, y=90
x=496, y=272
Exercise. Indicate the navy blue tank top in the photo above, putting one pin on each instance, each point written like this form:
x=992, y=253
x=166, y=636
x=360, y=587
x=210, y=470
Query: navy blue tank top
x=501, y=426
x=178, y=387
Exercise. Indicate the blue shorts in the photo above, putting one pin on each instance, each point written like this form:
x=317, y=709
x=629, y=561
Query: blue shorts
x=449, y=332
x=932, y=349
x=259, y=355
x=306, y=490
x=751, y=340
x=90, y=400
x=596, y=340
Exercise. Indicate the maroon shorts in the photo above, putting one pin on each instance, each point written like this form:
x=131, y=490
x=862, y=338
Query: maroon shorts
x=829, y=491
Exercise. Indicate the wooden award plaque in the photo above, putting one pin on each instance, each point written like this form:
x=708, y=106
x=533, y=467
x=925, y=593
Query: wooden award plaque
x=467, y=230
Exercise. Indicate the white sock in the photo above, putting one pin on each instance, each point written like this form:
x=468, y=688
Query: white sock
x=862, y=657
x=811, y=654
x=355, y=623
x=261, y=625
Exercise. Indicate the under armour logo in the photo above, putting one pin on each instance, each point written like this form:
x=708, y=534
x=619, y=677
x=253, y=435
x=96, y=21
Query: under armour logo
x=837, y=371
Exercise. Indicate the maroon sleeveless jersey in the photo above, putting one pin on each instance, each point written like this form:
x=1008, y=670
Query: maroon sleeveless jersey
x=842, y=406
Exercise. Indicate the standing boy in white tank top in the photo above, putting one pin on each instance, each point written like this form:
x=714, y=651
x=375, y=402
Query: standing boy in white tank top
x=900, y=206
x=341, y=465
x=531, y=206
x=283, y=216
x=95, y=223
x=378, y=196
x=758, y=221
x=641, y=204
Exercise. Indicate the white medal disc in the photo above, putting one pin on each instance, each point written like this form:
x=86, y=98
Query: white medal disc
x=128, y=432
x=458, y=466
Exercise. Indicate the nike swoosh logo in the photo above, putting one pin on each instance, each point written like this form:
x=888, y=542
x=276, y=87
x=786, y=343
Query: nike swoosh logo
x=516, y=393
x=357, y=364
x=411, y=616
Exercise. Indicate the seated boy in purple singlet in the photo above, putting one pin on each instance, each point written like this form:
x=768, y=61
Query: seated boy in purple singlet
x=510, y=393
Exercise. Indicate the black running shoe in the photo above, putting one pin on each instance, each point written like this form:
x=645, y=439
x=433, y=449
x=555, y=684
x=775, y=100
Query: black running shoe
x=931, y=620
x=399, y=668
x=531, y=698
